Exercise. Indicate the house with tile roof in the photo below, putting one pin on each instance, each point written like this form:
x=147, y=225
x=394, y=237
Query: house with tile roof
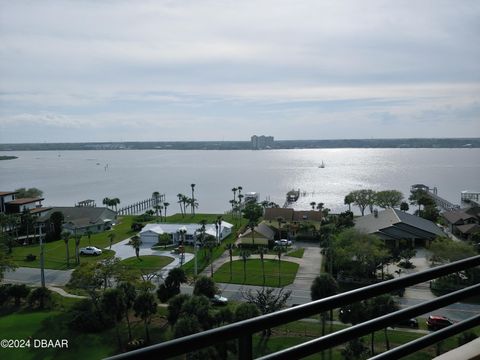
x=393, y=226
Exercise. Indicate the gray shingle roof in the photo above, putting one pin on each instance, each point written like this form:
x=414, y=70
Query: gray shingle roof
x=391, y=219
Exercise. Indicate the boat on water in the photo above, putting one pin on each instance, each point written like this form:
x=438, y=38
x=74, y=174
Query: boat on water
x=293, y=195
x=322, y=165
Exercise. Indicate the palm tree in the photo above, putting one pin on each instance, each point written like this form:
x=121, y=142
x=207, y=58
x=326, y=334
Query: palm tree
x=156, y=197
x=239, y=188
x=115, y=202
x=240, y=197
x=280, y=220
x=193, y=199
x=106, y=201
x=180, y=198
x=324, y=286
x=279, y=250
x=145, y=306
x=349, y=200
x=77, y=237
x=135, y=242
x=219, y=224
x=234, y=193
x=210, y=243
x=312, y=204
x=66, y=236
x=129, y=295
x=262, y=251
x=88, y=233
x=186, y=203
x=320, y=206
x=245, y=254
x=113, y=305
x=111, y=237
x=158, y=210
x=165, y=205
x=230, y=248
x=251, y=225
x=194, y=205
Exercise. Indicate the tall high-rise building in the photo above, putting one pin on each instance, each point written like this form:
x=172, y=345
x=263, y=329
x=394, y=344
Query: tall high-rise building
x=261, y=142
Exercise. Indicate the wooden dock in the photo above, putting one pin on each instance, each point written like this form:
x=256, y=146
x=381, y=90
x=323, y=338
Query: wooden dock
x=433, y=194
x=141, y=206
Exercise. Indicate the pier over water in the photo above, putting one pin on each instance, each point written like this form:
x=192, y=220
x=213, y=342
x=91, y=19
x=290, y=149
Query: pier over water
x=433, y=194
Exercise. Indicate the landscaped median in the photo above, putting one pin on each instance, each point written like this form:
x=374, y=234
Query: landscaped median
x=275, y=275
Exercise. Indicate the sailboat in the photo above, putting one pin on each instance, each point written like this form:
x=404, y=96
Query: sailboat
x=322, y=165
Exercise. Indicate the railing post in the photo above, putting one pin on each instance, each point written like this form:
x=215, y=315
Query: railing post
x=245, y=347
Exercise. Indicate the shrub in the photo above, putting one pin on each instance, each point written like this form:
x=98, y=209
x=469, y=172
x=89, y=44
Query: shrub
x=18, y=292
x=205, y=286
x=40, y=297
x=84, y=317
x=4, y=293
x=30, y=257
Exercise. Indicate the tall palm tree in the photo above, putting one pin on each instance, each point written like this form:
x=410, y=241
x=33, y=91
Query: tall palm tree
x=219, y=224
x=77, y=237
x=156, y=197
x=251, y=225
x=115, y=202
x=320, y=206
x=239, y=188
x=240, y=197
x=165, y=205
x=180, y=198
x=135, y=242
x=324, y=286
x=111, y=237
x=230, y=248
x=158, y=210
x=262, y=251
x=279, y=250
x=210, y=243
x=280, y=220
x=234, y=190
x=193, y=199
x=66, y=237
x=312, y=204
x=186, y=203
x=106, y=201
x=245, y=254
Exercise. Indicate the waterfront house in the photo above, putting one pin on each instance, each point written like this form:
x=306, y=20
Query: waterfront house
x=463, y=222
x=150, y=232
x=5, y=197
x=261, y=235
x=288, y=215
x=82, y=219
x=393, y=226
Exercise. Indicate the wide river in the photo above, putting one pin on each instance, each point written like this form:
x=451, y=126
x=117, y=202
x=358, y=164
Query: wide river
x=67, y=177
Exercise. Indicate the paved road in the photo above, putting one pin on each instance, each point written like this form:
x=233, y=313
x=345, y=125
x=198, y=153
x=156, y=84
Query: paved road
x=31, y=276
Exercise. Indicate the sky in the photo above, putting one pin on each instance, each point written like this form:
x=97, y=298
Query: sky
x=183, y=70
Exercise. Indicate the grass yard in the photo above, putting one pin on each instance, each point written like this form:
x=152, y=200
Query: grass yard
x=296, y=253
x=147, y=263
x=56, y=253
x=254, y=273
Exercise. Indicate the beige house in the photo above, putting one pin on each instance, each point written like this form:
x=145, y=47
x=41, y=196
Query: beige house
x=261, y=235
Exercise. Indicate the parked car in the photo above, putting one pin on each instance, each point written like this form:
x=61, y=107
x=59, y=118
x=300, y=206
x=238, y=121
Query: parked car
x=283, y=242
x=411, y=323
x=219, y=300
x=90, y=250
x=435, y=322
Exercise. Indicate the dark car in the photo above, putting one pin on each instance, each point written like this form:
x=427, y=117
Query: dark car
x=438, y=322
x=411, y=323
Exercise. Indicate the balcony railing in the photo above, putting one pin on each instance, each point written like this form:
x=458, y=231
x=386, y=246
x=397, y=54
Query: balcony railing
x=243, y=331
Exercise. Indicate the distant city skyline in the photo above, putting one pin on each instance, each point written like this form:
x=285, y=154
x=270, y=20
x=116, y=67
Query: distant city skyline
x=92, y=71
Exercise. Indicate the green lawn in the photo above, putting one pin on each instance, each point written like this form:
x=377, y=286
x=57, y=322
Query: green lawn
x=148, y=263
x=55, y=251
x=296, y=253
x=254, y=276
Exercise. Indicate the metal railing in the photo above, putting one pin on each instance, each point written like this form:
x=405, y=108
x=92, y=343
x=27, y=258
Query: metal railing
x=243, y=331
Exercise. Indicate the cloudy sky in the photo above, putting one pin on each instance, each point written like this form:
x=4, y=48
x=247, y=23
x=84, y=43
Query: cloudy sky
x=211, y=70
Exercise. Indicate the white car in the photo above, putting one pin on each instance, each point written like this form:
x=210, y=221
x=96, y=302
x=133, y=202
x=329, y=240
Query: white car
x=283, y=242
x=90, y=250
x=219, y=300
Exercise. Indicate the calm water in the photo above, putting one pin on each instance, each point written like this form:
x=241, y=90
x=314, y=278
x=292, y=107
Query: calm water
x=67, y=177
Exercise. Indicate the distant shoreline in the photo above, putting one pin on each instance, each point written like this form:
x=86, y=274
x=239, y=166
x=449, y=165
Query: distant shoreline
x=8, y=157
x=460, y=143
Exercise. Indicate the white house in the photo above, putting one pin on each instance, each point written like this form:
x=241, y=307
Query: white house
x=150, y=232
